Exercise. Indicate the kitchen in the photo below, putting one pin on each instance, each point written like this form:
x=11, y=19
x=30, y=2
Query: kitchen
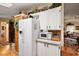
x=34, y=31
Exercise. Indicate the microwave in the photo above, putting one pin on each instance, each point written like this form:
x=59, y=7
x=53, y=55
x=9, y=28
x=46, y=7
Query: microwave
x=45, y=35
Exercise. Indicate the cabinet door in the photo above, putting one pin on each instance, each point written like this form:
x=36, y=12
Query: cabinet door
x=54, y=21
x=47, y=50
x=43, y=20
x=41, y=49
x=53, y=50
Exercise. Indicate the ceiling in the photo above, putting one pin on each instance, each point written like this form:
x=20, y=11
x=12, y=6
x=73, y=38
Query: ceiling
x=16, y=7
x=71, y=10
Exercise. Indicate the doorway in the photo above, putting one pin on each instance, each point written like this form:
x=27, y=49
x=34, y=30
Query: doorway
x=71, y=30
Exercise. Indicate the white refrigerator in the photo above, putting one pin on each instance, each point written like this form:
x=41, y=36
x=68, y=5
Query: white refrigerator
x=28, y=33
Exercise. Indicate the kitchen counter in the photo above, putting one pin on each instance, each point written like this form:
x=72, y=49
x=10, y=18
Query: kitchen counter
x=49, y=42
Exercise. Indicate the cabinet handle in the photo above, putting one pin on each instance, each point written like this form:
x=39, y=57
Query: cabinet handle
x=44, y=44
x=59, y=26
x=59, y=47
x=49, y=26
x=59, y=10
x=47, y=45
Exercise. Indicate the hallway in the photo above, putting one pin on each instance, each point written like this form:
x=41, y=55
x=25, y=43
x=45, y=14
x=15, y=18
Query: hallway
x=7, y=51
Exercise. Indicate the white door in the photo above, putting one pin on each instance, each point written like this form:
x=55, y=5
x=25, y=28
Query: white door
x=41, y=49
x=21, y=38
x=43, y=17
x=25, y=37
x=44, y=49
x=53, y=50
x=54, y=21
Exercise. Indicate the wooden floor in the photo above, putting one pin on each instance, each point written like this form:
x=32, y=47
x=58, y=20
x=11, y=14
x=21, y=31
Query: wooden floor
x=7, y=51
x=68, y=51
x=10, y=51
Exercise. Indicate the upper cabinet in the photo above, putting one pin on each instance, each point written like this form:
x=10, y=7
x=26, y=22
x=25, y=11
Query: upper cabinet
x=54, y=18
x=50, y=19
x=42, y=17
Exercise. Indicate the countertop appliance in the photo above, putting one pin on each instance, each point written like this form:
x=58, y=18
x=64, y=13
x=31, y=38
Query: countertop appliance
x=28, y=33
x=45, y=35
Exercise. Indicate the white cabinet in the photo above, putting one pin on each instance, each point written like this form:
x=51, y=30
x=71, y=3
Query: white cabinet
x=54, y=19
x=50, y=19
x=45, y=49
x=41, y=49
x=53, y=50
x=43, y=17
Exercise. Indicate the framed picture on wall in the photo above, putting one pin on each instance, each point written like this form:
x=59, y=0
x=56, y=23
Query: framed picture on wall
x=77, y=27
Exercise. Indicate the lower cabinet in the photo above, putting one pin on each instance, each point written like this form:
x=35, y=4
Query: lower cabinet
x=45, y=49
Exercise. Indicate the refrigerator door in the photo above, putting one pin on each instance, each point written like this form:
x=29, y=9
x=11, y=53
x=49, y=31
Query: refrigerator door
x=25, y=37
x=35, y=35
x=28, y=33
x=21, y=38
x=28, y=37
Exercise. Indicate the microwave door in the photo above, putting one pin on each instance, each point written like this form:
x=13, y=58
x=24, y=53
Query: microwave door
x=43, y=35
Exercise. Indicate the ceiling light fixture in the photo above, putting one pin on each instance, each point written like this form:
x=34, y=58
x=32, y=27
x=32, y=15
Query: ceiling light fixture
x=6, y=4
